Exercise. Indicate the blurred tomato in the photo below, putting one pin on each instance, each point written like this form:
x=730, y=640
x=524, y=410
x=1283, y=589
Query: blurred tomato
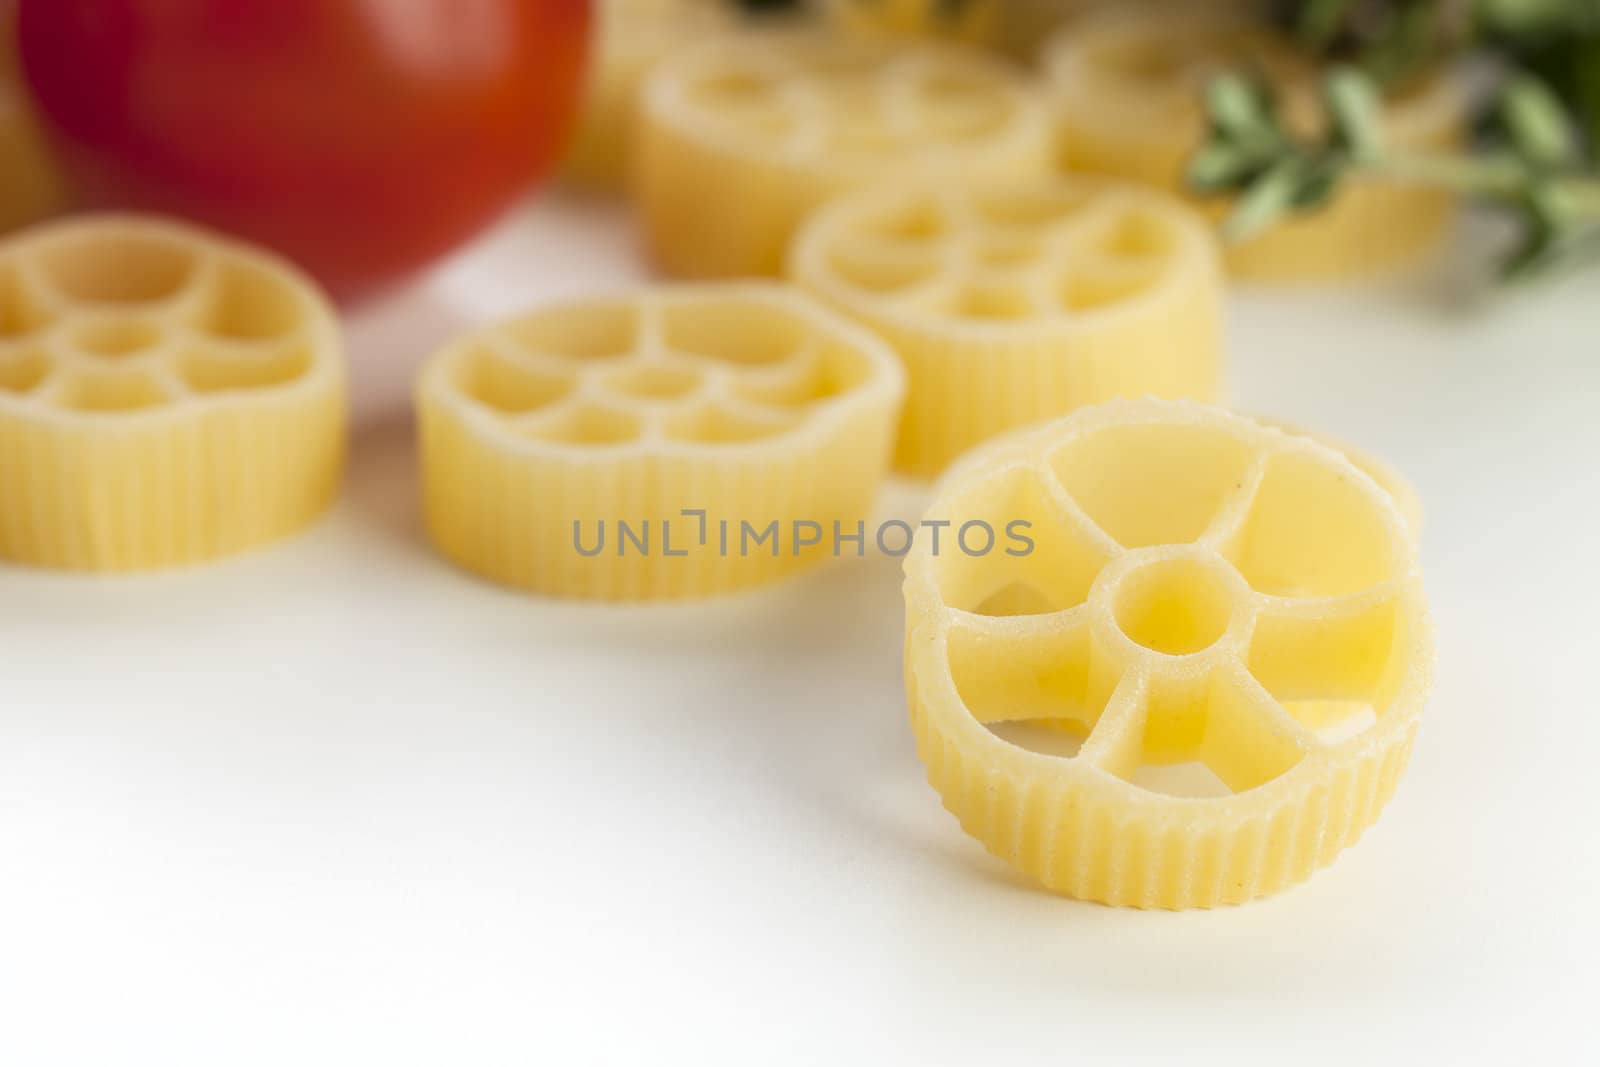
x=363, y=138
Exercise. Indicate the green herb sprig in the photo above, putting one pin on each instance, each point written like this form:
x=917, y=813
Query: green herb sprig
x=1536, y=160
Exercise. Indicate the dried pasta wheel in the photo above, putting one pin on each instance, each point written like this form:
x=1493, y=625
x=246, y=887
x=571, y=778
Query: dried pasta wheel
x=1127, y=87
x=646, y=446
x=632, y=36
x=1207, y=599
x=166, y=396
x=1015, y=302
x=742, y=138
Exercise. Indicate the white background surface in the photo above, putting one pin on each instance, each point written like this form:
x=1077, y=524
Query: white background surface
x=335, y=803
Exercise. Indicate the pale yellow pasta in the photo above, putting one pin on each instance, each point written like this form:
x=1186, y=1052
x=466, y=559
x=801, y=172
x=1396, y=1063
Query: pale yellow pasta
x=1014, y=302
x=740, y=139
x=631, y=37
x=1377, y=468
x=1127, y=89
x=166, y=396
x=1206, y=600
x=671, y=443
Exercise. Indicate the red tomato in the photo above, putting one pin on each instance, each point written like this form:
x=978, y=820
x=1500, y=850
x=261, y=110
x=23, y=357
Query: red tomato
x=363, y=138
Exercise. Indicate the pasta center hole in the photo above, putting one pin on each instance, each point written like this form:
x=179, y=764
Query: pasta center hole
x=1175, y=607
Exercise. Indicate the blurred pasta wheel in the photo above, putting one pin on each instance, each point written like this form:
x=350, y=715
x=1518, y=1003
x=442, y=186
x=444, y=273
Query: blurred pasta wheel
x=1127, y=89
x=1229, y=619
x=672, y=443
x=166, y=396
x=632, y=36
x=742, y=138
x=1018, y=301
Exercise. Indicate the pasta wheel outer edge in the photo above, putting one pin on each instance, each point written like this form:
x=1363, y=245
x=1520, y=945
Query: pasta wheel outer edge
x=195, y=475
x=503, y=504
x=1087, y=833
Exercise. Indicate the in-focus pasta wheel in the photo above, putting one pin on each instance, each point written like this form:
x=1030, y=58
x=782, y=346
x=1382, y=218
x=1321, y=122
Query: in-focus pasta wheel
x=1127, y=87
x=632, y=36
x=166, y=396
x=1014, y=302
x=1194, y=589
x=30, y=187
x=742, y=138
x=700, y=418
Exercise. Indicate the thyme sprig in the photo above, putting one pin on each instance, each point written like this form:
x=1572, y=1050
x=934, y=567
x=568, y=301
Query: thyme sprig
x=1535, y=161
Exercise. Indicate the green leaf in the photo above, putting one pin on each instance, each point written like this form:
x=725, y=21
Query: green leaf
x=1356, y=108
x=1537, y=121
x=1239, y=108
x=1218, y=167
x=1267, y=201
x=1318, y=182
x=1526, y=18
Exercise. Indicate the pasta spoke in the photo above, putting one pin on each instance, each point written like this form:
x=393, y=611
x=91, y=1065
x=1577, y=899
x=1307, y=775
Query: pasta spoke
x=1117, y=743
x=1250, y=738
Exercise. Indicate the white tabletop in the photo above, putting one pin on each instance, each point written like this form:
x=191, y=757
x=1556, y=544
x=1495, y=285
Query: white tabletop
x=336, y=803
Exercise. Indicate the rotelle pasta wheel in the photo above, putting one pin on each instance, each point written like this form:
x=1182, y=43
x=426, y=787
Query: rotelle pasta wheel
x=1127, y=87
x=742, y=138
x=1014, y=302
x=671, y=443
x=167, y=396
x=1190, y=587
x=633, y=35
